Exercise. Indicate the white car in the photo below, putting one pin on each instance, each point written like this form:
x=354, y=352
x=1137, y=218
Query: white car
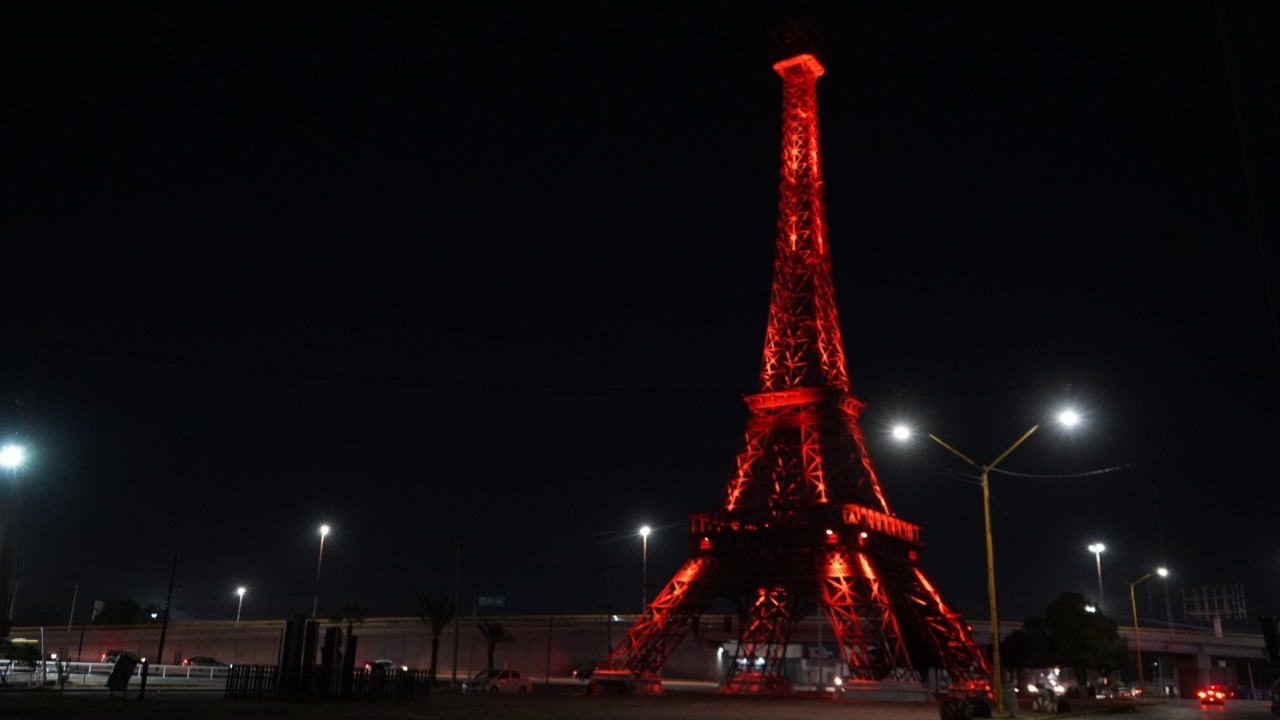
x=496, y=681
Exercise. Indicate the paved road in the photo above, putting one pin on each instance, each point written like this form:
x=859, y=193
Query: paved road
x=562, y=705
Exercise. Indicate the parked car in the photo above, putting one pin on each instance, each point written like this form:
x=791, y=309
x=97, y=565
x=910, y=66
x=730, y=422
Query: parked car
x=583, y=673
x=204, y=661
x=111, y=656
x=1128, y=691
x=384, y=665
x=1212, y=695
x=497, y=681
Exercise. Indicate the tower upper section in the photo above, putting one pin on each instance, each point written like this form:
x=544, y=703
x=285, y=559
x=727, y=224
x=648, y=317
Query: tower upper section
x=802, y=346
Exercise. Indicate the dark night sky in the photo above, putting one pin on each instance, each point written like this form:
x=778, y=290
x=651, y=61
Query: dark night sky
x=496, y=276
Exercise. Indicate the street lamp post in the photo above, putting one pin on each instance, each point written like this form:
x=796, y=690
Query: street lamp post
x=239, y=591
x=1137, y=639
x=644, y=567
x=1066, y=418
x=11, y=458
x=315, y=597
x=1096, y=549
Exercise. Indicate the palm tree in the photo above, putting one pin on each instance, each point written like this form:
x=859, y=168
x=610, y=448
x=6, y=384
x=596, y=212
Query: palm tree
x=494, y=632
x=349, y=613
x=437, y=614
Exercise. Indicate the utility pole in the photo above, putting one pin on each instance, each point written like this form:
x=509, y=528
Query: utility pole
x=164, y=628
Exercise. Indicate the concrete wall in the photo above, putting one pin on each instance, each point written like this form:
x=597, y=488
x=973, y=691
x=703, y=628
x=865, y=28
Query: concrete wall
x=555, y=645
x=542, y=645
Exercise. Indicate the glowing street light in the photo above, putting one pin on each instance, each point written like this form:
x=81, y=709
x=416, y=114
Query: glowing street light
x=239, y=591
x=1097, y=549
x=12, y=456
x=315, y=597
x=644, y=567
x=901, y=432
x=1137, y=639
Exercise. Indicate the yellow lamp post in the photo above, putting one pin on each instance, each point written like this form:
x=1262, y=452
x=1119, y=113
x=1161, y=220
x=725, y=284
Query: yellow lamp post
x=1067, y=418
x=1137, y=639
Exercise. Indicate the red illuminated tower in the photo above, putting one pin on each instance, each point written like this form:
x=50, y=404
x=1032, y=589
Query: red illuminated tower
x=804, y=525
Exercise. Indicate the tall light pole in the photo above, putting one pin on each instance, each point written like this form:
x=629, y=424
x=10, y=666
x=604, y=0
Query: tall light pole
x=1096, y=549
x=1137, y=639
x=239, y=591
x=11, y=458
x=315, y=597
x=1068, y=418
x=644, y=567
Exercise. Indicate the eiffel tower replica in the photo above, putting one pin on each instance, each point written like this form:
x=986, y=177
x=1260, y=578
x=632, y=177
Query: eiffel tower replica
x=804, y=525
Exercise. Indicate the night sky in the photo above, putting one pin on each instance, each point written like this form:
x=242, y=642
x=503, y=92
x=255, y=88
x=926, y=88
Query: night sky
x=481, y=286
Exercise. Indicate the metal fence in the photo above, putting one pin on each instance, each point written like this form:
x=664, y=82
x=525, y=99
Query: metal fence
x=258, y=682
x=253, y=682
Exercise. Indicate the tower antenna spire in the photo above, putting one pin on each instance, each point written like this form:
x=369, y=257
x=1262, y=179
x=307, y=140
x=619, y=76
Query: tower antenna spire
x=797, y=37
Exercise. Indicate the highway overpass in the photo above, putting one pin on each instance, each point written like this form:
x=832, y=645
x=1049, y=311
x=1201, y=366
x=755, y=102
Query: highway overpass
x=546, y=646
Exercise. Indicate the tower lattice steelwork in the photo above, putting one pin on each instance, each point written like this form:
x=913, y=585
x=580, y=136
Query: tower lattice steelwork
x=804, y=525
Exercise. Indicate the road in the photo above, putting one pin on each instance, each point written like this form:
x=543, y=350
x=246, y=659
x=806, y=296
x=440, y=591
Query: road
x=561, y=705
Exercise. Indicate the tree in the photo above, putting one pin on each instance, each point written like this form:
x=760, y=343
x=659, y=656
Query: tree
x=349, y=613
x=16, y=653
x=1069, y=636
x=494, y=632
x=1027, y=647
x=437, y=614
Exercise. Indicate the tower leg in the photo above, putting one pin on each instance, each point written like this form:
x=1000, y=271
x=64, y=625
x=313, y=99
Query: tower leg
x=663, y=624
x=858, y=608
x=946, y=632
x=757, y=667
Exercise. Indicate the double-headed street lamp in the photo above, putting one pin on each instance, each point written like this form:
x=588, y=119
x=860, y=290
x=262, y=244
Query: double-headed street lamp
x=1068, y=418
x=1096, y=549
x=1137, y=639
x=315, y=597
